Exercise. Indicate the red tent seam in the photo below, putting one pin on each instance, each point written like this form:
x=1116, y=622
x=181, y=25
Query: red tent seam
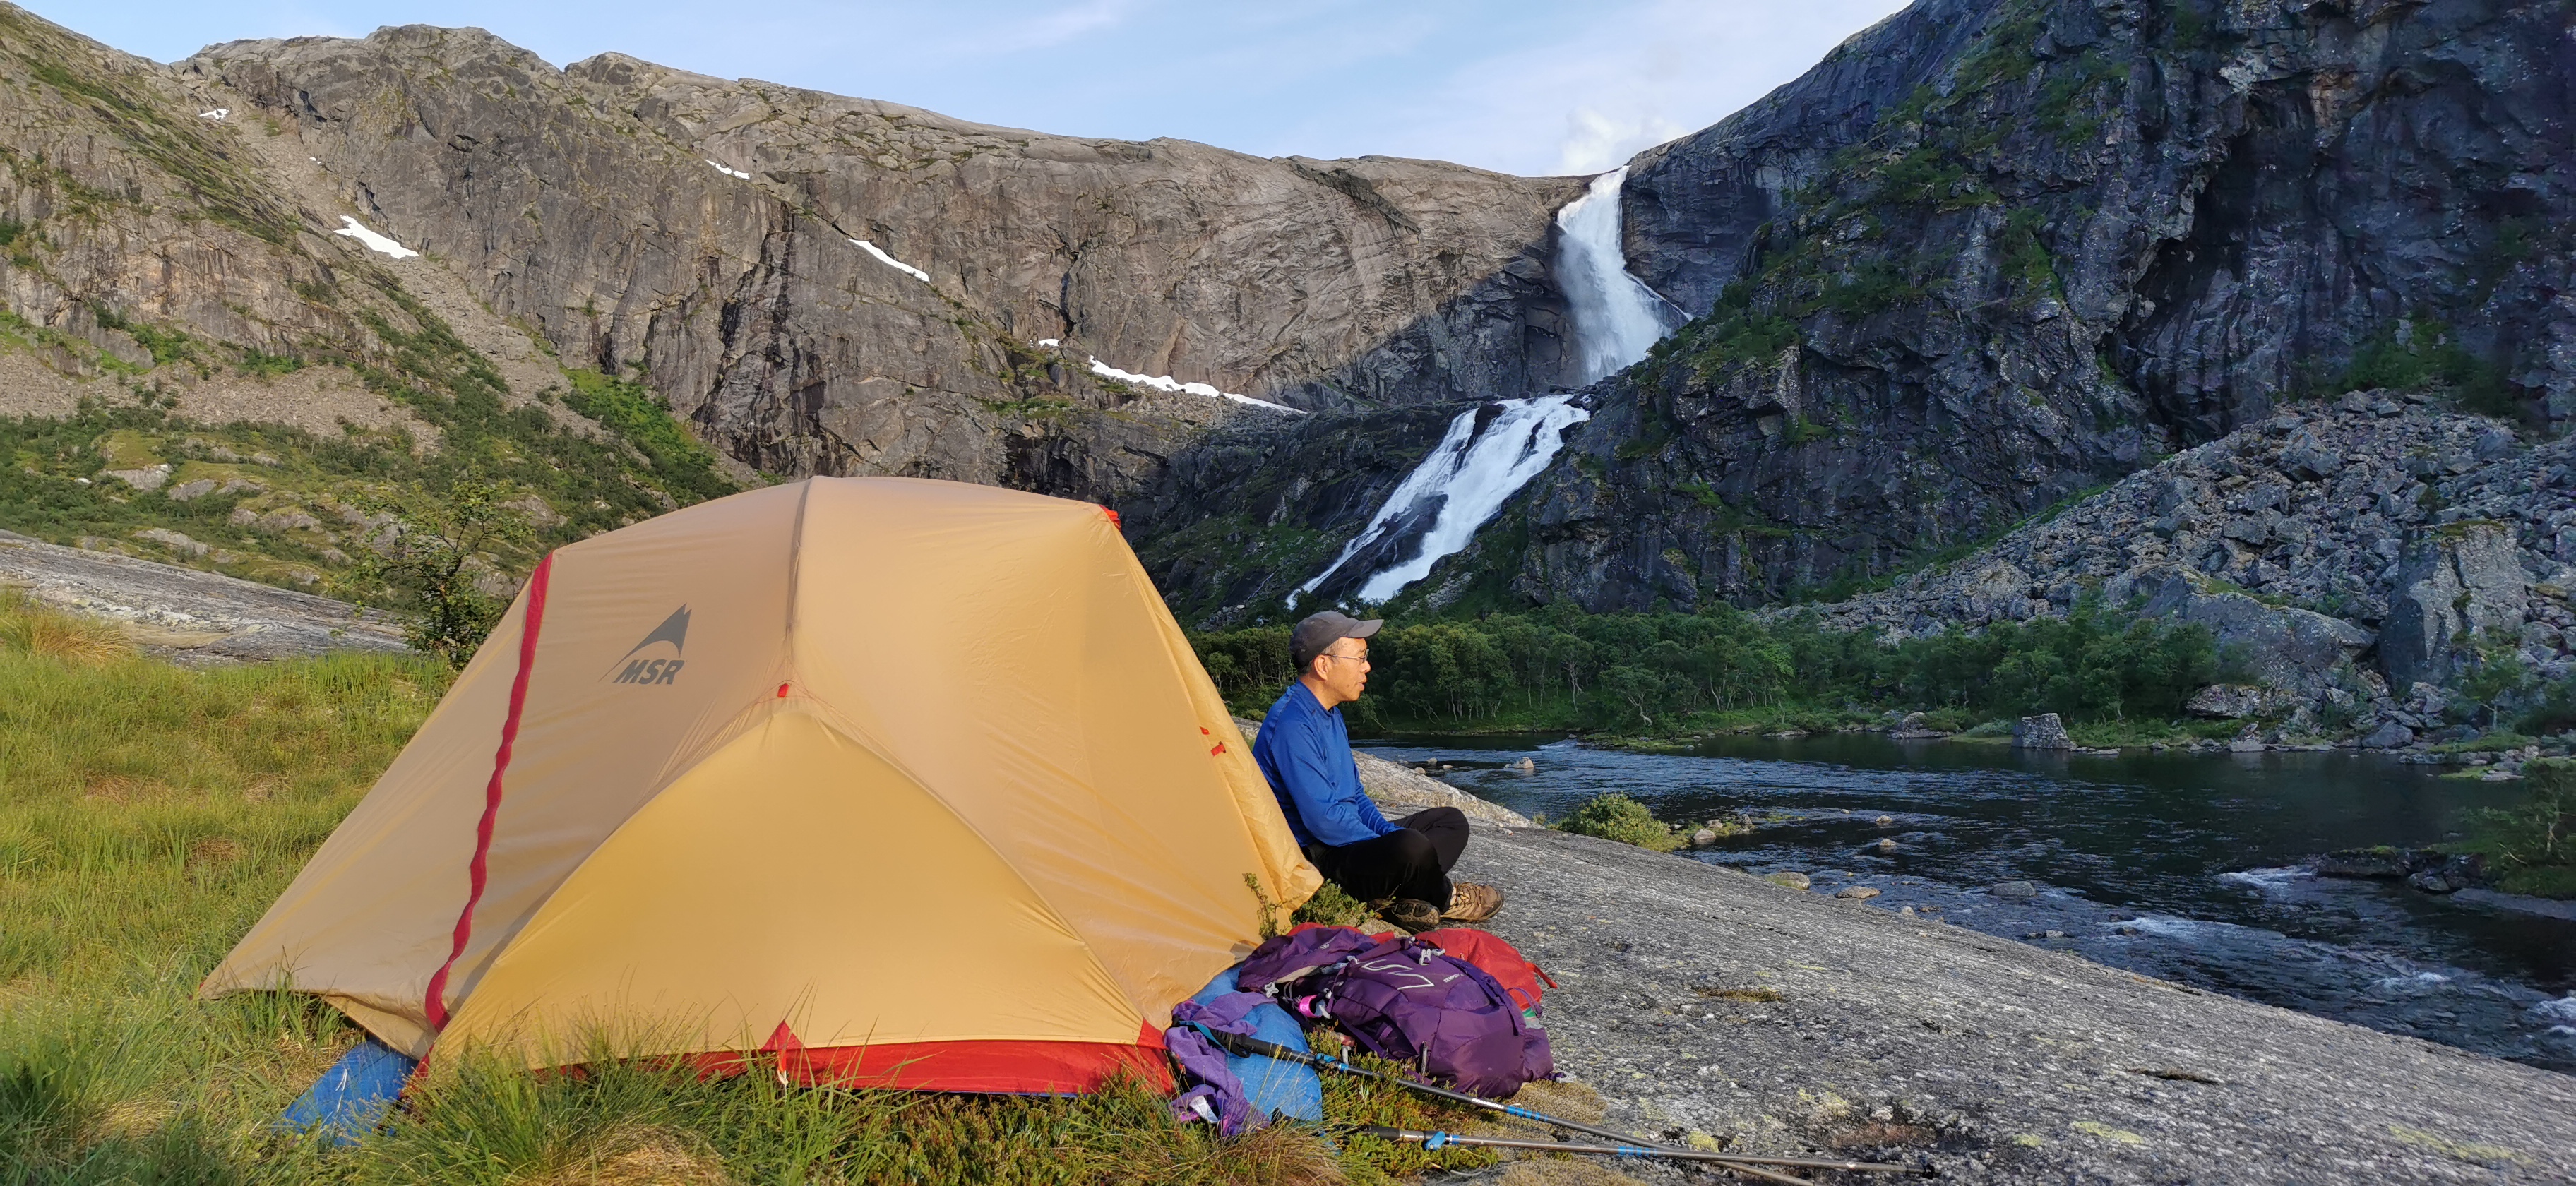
x=433, y=1004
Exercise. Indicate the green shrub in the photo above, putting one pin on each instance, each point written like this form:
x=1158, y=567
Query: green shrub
x=441, y=544
x=1332, y=906
x=1618, y=817
x=2427, y=352
x=270, y=366
x=686, y=466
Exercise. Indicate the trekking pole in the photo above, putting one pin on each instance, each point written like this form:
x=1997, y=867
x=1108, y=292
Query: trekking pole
x=1245, y=1045
x=1442, y=1140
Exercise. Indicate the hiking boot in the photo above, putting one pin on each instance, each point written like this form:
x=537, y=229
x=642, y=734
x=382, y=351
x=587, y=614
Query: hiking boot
x=1470, y=902
x=1413, y=914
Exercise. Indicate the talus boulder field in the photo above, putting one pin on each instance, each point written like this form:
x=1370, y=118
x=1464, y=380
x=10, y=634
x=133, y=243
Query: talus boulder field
x=2351, y=591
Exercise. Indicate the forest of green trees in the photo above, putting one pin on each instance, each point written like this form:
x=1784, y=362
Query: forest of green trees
x=1561, y=668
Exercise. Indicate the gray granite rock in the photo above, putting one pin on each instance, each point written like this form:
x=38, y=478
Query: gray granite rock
x=2228, y=701
x=2389, y=734
x=2044, y=731
x=188, y=616
x=2286, y=647
x=2458, y=586
x=1864, y=1032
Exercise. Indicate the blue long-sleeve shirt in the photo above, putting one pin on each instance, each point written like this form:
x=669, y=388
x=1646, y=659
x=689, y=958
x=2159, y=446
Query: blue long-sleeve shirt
x=1305, y=752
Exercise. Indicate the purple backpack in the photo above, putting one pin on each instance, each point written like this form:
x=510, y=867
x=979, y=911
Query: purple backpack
x=1403, y=1000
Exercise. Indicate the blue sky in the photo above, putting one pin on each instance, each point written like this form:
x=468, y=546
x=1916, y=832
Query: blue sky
x=1523, y=87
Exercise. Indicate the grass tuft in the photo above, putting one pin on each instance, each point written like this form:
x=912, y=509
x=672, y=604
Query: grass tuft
x=29, y=629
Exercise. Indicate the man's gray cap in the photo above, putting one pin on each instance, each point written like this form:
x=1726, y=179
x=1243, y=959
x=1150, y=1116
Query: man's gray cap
x=1322, y=630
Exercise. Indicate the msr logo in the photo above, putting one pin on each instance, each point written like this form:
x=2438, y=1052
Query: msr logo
x=674, y=631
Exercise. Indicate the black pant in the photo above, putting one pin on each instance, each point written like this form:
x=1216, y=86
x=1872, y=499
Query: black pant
x=1413, y=861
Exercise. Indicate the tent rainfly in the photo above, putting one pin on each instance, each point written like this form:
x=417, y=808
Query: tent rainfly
x=909, y=783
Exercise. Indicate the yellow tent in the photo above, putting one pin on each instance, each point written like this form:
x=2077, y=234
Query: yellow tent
x=914, y=782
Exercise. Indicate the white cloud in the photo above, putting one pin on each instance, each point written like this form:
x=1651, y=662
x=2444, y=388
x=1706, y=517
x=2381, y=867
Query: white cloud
x=1597, y=143
x=1610, y=81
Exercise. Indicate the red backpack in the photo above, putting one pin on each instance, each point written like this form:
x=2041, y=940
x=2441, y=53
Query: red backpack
x=1498, y=959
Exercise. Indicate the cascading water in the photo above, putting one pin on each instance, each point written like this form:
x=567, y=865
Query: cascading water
x=1616, y=317
x=1484, y=458
x=1463, y=482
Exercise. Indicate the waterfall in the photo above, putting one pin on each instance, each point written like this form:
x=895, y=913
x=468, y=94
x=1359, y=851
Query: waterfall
x=1616, y=317
x=1490, y=452
x=1459, y=485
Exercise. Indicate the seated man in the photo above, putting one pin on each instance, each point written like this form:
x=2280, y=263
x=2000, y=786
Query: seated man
x=1305, y=752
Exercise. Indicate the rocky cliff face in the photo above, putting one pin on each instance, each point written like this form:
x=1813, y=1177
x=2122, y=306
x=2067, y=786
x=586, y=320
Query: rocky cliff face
x=814, y=284
x=707, y=234
x=1992, y=253
x=1995, y=251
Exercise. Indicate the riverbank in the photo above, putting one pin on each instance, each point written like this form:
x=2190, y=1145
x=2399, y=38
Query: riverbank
x=1705, y=1002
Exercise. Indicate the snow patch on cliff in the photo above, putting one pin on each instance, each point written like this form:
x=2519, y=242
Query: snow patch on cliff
x=375, y=242
x=1168, y=383
x=892, y=262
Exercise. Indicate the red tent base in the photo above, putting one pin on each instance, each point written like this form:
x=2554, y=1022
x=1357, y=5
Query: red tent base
x=998, y=1067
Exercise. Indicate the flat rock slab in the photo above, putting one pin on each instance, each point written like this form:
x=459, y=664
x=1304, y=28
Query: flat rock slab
x=193, y=618
x=1701, y=999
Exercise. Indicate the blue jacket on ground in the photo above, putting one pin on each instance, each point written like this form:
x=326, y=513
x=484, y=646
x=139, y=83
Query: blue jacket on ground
x=1305, y=752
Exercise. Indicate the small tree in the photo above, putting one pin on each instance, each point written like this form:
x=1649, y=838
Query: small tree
x=430, y=551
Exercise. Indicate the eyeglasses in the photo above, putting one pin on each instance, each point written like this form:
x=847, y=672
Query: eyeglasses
x=1361, y=657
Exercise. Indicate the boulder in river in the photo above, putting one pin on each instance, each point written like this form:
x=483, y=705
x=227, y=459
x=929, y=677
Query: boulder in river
x=2389, y=735
x=1859, y=892
x=2451, y=875
x=2014, y=891
x=1791, y=879
x=2044, y=731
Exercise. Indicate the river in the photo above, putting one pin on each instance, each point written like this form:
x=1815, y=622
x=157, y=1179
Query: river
x=2180, y=866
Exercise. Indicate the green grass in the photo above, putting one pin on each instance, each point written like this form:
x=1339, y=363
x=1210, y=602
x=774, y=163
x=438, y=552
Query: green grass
x=149, y=814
